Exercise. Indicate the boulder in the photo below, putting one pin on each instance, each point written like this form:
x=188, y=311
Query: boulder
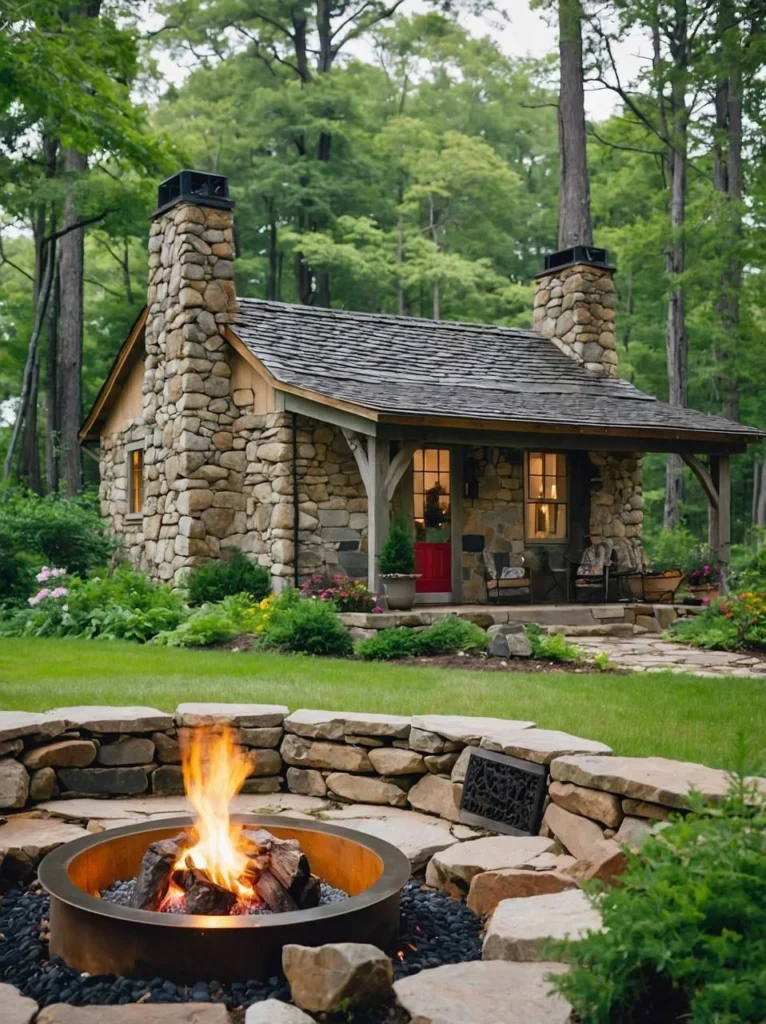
x=307, y=781
x=657, y=780
x=339, y=975
x=42, y=785
x=17, y=1009
x=168, y=748
x=491, y=887
x=634, y=832
x=97, y=718
x=417, y=841
x=520, y=929
x=606, y=862
x=590, y=803
x=454, y=868
x=62, y=754
x=540, y=745
x=168, y=780
x=441, y=764
x=490, y=992
x=579, y=835
x=363, y=789
x=435, y=795
x=509, y=641
x=264, y=762
x=248, y=715
x=302, y=753
x=127, y=750
x=393, y=761
x=14, y=784
x=274, y=1011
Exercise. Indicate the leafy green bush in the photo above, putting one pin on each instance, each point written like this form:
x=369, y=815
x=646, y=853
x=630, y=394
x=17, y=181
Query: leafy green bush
x=445, y=636
x=731, y=624
x=305, y=626
x=388, y=645
x=750, y=571
x=397, y=556
x=671, y=549
x=553, y=646
x=236, y=574
x=123, y=605
x=210, y=624
x=63, y=532
x=685, y=932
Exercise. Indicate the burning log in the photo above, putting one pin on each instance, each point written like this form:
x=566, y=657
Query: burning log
x=286, y=860
x=156, y=870
x=204, y=896
x=309, y=898
x=274, y=894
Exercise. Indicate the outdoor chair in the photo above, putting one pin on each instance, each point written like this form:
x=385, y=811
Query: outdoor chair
x=596, y=564
x=561, y=570
x=503, y=581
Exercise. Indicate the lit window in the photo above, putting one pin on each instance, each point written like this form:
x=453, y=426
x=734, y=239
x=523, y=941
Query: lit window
x=546, y=496
x=430, y=492
x=136, y=481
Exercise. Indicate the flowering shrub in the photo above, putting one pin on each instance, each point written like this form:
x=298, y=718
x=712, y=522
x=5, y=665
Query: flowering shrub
x=730, y=624
x=705, y=575
x=348, y=595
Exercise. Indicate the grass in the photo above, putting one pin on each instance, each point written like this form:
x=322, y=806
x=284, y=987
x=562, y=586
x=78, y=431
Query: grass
x=684, y=717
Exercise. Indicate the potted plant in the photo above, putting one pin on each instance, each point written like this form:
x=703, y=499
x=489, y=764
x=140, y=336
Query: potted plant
x=705, y=581
x=657, y=584
x=397, y=566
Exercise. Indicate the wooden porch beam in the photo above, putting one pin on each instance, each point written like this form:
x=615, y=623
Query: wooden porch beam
x=375, y=468
x=702, y=473
x=398, y=466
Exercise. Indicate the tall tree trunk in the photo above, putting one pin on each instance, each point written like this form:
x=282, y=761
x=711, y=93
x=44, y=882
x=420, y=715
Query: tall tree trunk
x=574, y=186
x=676, y=341
x=272, y=254
x=401, y=295
x=29, y=453
x=433, y=228
x=69, y=385
x=51, y=401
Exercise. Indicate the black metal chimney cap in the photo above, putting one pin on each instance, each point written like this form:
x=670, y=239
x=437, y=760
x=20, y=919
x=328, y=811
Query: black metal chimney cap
x=588, y=254
x=198, y=187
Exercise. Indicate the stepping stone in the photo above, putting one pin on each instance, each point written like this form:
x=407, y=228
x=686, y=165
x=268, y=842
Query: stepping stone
x=98, y=718
x=541, y=745
x=28, y=839
x=453, y=868
x=339, y=975
x=658, y=780
x=494, y=992
x=249, y=715
x=418, y=842
x=465, y=729
x=16, y=1008
x=135, y=1013
x=492, y=887
x=274, y=1011
x=519, y=929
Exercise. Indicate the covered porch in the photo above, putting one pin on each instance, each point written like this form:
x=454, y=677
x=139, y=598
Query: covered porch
x=518, y=493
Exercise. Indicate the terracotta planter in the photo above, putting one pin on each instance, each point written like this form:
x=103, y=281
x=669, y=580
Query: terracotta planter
x=656, y=587
x=706, y=591
x=400, y=590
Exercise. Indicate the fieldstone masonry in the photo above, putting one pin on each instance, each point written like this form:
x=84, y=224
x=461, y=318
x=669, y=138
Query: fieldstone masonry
x=575, y=308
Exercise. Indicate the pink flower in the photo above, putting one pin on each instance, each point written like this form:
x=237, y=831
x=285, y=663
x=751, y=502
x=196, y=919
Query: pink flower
x=59, y=592
x=377, y=610
x=39, y=596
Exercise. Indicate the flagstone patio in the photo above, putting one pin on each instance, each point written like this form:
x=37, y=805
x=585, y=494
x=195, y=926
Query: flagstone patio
x=648, y=653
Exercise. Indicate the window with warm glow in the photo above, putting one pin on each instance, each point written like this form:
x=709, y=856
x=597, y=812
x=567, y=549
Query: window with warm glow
x=546, y=496
x=430, y=492
x=136, y=481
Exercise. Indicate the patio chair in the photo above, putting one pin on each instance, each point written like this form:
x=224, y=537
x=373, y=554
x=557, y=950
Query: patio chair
x=561, y=570
x=596, y=564
x=503, y=581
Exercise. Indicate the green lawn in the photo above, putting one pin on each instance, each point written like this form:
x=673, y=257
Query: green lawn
x=673, y=716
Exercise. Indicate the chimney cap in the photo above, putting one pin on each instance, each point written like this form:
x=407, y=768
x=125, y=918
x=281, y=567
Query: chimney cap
x=199, y=187
x=588, y=254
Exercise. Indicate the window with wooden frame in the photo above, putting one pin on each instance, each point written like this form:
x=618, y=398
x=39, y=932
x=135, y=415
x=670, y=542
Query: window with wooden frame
x=135, y=479
x=546, y=494
x=431, y=493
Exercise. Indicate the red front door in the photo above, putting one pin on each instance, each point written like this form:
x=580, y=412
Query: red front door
x=434, y=563
x=431, y=499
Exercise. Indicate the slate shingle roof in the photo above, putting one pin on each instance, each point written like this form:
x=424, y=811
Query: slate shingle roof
x=409, y=366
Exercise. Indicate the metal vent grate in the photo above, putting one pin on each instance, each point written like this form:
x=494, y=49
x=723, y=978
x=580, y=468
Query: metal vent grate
x=503, y=793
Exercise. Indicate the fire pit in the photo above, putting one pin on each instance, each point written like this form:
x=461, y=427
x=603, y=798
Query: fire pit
x=94, y=935
x=217, y=896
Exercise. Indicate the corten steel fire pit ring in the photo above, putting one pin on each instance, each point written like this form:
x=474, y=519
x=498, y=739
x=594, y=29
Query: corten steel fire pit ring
x=99, y=937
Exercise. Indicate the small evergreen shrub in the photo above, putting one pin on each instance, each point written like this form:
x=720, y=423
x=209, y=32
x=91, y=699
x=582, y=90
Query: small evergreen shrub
x=210, y=624
x=305, y=626
x=397, y=557
x=236, y=574
x=685, y=931
x=553, y=647
x=444, y=637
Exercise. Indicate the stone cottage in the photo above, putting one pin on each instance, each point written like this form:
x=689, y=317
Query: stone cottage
x=293, y=432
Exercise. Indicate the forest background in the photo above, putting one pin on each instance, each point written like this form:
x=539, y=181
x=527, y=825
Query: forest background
x=386, y=158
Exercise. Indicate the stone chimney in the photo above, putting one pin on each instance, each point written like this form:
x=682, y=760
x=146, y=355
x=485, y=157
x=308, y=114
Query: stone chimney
x=193, y=477
x=574, y=306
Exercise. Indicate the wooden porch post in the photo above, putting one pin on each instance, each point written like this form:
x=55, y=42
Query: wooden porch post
x=377, y=507
x=721, y=472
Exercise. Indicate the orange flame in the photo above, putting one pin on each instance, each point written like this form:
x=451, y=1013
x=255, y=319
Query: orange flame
x=214, y=769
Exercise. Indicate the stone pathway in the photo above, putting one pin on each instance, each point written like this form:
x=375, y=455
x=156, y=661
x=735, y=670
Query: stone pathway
x=650, y=653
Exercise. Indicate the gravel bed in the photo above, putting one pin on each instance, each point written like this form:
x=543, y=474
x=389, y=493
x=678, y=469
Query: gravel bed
x=435, y=930
x=122, y=893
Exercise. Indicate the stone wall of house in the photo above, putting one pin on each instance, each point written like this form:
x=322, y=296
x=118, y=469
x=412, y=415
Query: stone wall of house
x=496, y=514
x=575, y=308
x=616, y=505
x=113, y=488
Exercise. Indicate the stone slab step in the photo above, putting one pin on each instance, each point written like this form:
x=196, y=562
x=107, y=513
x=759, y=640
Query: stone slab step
x=520, y=929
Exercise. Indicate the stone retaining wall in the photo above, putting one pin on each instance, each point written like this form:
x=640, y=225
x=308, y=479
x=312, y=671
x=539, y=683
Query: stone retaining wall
x=349, y=757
